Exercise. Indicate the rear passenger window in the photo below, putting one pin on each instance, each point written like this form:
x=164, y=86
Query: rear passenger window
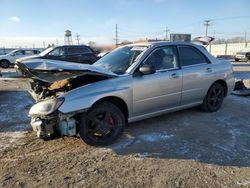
x=191, y=56
x=78, y=50
x=85, y=50
x=29, y=52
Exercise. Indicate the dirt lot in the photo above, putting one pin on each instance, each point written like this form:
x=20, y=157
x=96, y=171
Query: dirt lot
x=183, y=149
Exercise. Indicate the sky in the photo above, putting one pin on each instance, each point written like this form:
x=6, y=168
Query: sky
x=30, y=23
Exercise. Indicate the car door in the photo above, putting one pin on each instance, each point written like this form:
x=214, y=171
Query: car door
x=74, y=54
x=17, y=54
x=29, y=52
x=161, y=90
x=88, y=56
x=197, y=74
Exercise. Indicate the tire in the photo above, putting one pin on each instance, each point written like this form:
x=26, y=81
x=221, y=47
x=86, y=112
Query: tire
x=5, y=64
x=102, y=125
x=214, y=98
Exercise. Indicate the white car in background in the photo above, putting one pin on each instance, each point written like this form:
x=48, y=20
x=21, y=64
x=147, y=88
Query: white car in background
x=243, y=55
x=10, y=58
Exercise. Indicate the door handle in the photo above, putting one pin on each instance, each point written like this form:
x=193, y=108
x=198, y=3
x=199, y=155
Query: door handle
x=209, y=70
x=174, y=75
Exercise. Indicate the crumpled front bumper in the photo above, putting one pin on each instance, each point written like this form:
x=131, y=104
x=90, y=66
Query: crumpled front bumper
x=55, y=125
x=44, y=128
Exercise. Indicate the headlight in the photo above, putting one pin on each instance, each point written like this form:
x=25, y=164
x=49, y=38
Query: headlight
x=46, y=107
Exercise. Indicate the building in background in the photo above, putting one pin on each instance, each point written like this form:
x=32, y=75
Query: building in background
x=180, y=37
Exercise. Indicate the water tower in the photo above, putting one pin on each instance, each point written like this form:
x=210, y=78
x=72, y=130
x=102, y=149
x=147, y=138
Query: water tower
x=68, y=37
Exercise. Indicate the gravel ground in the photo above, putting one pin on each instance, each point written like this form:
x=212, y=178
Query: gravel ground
x=189, y=148
x=183, y=149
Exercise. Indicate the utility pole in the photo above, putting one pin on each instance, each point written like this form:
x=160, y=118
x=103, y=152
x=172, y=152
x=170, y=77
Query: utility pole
x=167, y=30
x=116, y=36
x=245, y=39
x=207, y=24
x=78, y=38
x=57, y=42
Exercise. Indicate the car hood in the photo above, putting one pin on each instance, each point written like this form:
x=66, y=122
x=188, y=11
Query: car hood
x=53, y=70
x=1, y=56
x=28, y=58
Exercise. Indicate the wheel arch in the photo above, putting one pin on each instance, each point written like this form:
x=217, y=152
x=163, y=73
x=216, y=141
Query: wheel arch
x=224, y=85
x=4, y=60
x=120, y=103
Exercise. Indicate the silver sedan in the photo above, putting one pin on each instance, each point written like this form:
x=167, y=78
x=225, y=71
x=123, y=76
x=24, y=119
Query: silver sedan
x=131, y=83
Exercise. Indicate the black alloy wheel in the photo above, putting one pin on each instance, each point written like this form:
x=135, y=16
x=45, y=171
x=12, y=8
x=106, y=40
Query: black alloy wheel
x=5, y=64
x=102, y=125
x=214, y=98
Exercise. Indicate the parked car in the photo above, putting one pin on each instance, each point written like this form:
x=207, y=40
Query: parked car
x=131, y=83
x=10, y=58
x=73, y=53
x=243, y=55
x=102, y=54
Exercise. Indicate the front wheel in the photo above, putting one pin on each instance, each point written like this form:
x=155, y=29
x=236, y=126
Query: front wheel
x=102, y=125
x=5, y=64
x=214, y=98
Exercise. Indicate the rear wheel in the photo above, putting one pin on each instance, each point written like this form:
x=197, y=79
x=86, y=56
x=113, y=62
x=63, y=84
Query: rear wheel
x=214, y=98
x=5, y=64
x=102, y=125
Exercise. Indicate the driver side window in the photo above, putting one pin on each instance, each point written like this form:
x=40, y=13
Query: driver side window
x=20, y=52
x=57, y=52
x=163, y=58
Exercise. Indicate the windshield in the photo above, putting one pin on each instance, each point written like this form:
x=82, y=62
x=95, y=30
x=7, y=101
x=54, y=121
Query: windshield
x=43, y=53
x=13, y=51
x=119, y=60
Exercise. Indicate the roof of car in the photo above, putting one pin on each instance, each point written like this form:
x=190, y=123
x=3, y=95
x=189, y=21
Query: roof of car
x=25, y=49
x=73, y=46
x=160, y=43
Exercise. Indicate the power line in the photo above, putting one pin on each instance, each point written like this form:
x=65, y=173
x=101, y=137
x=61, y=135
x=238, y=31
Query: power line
x=186, y=25
x=228, y=18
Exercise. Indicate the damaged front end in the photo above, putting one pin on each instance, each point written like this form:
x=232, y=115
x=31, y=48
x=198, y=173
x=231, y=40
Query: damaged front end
x=44, y=117
x=49, y=81
x=51, y=78
x=54, y=125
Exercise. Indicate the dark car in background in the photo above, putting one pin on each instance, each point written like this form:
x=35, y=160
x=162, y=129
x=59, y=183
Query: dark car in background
x=72, y=53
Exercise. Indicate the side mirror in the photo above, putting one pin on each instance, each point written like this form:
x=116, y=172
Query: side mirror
x=13, y=54
x=147, y=69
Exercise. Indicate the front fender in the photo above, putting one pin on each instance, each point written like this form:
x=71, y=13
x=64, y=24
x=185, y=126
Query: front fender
x=81, y=99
